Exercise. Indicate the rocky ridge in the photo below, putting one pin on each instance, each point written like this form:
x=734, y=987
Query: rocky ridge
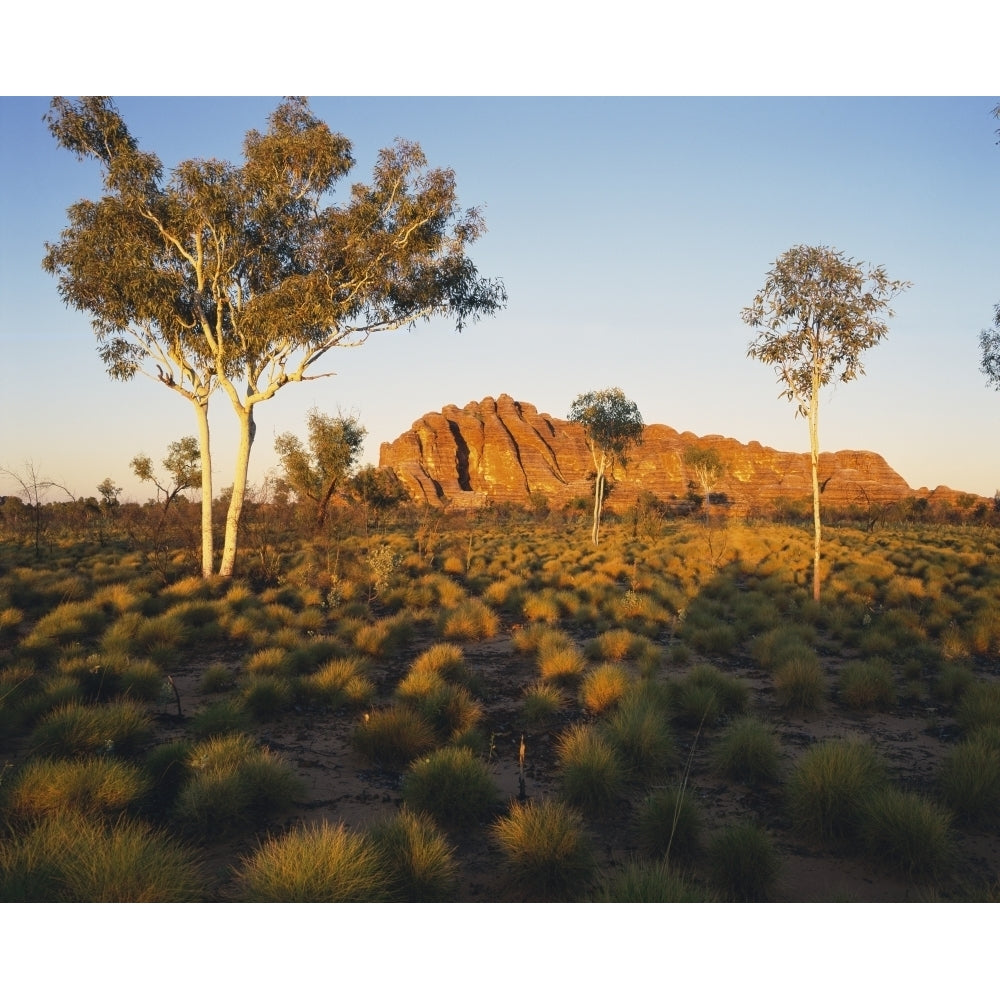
x=502, y=450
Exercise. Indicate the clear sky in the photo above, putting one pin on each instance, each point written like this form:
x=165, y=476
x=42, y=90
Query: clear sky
x=629, y=233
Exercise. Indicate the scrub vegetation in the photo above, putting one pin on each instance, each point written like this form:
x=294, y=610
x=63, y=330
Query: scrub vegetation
x=415, y=705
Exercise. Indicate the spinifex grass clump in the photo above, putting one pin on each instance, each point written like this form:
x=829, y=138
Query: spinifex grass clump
x=829, y=786
x=747, y=751
x=785, y=642
x=706, y=694
x=322, y=864
x=449, y=708
x=386, y=636
x=472, y=621
x=541, y=702
x=906, y=832
x=617, y=644
x=602, y=687
x=547, y=855
x=969, y=779
x=979, y=706
x=799, y=683
x=340, y=682
x=451, y=785
x=103, y=676
x=560, y=661
x=233, y=784
x=97, y=786
x=639, y=732
x=72, y=858
x=120, y=728
x=447, y=660
x=867, y=684
x=650, y=882
x=744, y=863
x=264, y=697
x=393, y=736
x=591, y=775
x=670, y=824
x=417, y=857
x=227, y=716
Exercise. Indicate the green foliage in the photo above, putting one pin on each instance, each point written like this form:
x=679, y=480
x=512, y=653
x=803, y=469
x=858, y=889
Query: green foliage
x=420, y=862
x=800, y=684
x=591, y=775
x=393, y=736
x=867, y=684
x=670, y=825
x=744, y=863
x=451, y=785
x=747, y=751
x=829, y=785
x=979, y=706
x=706, y=694
x=120, y=728
x=638, y=730
x=541, y=702
x=650, y=882
x=95, y=786
x=906, y=831
x=547, y=855
x=969, y=778
x=321, y=864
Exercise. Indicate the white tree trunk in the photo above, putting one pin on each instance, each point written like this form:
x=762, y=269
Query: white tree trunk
x=598, y=502
x=207, y=534
x=814, y=451
x=247, y=430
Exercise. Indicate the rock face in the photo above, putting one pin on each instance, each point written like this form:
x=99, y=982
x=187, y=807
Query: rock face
x=503, y=450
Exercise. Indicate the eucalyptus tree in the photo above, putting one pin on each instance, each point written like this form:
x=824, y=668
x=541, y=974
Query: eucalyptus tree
x=317, y=470
x=818, y=311
x=707, y=468
x=243, y=277
x=612, y=425
x=183, y=462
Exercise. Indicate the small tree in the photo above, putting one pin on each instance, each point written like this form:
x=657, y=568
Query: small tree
x=707, y=469
x=316, y=472
x=612, y=424
x=816, y=314
x=183, y=464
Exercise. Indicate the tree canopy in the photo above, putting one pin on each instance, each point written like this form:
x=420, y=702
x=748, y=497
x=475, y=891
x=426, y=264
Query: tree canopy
x=817, y=313
x=243, y=277
x=612, y=425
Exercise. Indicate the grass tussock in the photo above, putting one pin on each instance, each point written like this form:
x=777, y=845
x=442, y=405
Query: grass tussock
x=419, y=860
x=747, y=751
x=670, y=824
x=651, y=882
x=591, y=775
x=906, y=832
x=744, y=863
x=451, y=785
x=393, y=736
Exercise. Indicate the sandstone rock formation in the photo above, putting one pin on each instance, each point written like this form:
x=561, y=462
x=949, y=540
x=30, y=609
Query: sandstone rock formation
x=503, y=450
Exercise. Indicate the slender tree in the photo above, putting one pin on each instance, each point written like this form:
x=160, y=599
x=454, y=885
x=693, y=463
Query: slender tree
x=183, y=462
x=816, y=314
x=243, y=277
x=316, y=471
x=707, y=469
x=612, y=424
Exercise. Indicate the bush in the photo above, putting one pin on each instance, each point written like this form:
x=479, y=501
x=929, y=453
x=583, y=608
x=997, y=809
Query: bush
x=95, y=786
x=547, y=855
x=907, y=832
x=233, y=785
x=590, y=774
x=969, y=779
x=323, y=864
x=670, y=825
x=119, y=727
x=743, y=863
x=829, y=785
x=639, y=732
x=645, y=882
x=71, y=858
x=603, y=687
x=394, y=736
x=747, y=751
x=868, y=684
x=452, y=786
x=417, y=857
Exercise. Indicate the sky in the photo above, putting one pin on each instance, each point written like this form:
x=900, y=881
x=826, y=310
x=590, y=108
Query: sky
x=629, y=232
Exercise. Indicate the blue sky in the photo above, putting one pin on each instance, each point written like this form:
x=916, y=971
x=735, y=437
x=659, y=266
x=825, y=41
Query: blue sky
x=629, y=233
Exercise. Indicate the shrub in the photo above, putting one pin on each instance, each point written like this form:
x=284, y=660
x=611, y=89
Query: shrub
x=233, y=784
x=547, y=855
x=650, y=882
x=639, y=732
x=670, y=824
x=590, y=773
x=452, y=786
x=829, y=785
x=747, y=751
x=906, y=831
x=340, y=682
x=95, y=786
x=119, y=727
x=799, y=683
x=322, y=864
x=603, y=687
x=393, y=736
x=867, y=684
x=541, y=701
x=417, y=857
x=969, y=779
x=71, y=858
x=743, y=863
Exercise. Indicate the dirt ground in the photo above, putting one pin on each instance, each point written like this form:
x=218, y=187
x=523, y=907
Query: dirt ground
x=343, y=787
